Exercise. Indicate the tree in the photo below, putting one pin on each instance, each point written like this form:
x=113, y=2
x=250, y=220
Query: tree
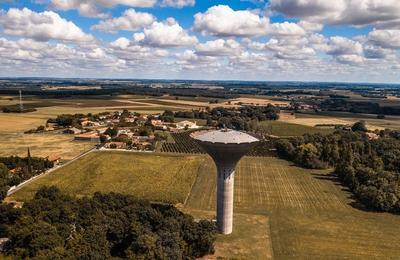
x=113, y=132
x=105, y=226
x=29, y=162
x=3, y=189
x=145, y=131
x=168, y=116
x=359, y=127
x=103, y=138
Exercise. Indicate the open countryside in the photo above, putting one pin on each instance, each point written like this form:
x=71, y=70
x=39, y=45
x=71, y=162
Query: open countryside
x=308, y=213
x=289, y=201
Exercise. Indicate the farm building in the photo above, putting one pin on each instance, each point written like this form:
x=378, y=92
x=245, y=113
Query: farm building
x=159, y=125
x=186, y=124
x=89, y=137
x=115, y=145
x=55, y=158
x=72, y=131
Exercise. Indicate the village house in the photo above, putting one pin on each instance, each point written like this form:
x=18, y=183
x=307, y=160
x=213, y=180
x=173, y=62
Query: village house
x=54, y=158
x=115, y=145
x=186, y=124
x=159, y=125
x=72, y=131
x=372, y=136
x=89, y=137
x=88, y=123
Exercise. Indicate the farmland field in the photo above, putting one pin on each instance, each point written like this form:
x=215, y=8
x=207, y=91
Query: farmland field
x=162, y=178
x=281, y=211
x=283, y=129
x=310, y=215
x=13, y=125
x=312, y=119
x=42, y=145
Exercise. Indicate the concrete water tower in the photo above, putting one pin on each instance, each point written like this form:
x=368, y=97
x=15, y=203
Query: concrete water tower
x=226, y=147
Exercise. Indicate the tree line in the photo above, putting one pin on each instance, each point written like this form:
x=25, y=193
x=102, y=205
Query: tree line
x=243, y=118
x=67, y=120
x=344, y=105
x=14, y=170
x=54, y=225
x=369, y=167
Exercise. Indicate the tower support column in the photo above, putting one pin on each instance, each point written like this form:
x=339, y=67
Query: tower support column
x=226, y=177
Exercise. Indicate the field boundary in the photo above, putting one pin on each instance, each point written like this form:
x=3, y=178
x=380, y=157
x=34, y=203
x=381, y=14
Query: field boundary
x=194, y=182
x=14, y=189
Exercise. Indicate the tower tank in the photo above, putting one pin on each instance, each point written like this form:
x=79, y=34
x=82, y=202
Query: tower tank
x=226, y=147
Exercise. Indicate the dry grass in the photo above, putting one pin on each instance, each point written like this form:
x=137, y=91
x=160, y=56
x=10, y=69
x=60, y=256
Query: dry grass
x=258, y=101
x=392, y=122
x=42, y=145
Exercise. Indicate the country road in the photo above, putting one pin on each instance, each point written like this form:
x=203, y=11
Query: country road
x=14, y=189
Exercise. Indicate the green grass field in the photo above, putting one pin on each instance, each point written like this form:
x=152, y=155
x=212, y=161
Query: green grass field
x=310, y=216
x=154, y=177
x=283, y=129
x=281, y=211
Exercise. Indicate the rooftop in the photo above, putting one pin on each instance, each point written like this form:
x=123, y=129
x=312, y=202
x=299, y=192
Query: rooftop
x=225, y=136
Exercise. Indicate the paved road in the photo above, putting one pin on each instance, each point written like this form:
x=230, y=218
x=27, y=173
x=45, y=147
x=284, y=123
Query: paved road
x=21, y=185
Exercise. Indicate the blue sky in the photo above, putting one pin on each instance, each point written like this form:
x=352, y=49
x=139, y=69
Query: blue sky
x=345, y=40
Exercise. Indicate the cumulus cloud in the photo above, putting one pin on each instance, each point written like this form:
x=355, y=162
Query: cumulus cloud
x=385, y=38
x=345, y=50
x=93, y=8
x=178, y=3
x=40, y=56
x=40, y=26
x=130, y=51
x=218, y=47
x=166, y=34
x=379, y=13
x=286, y=29
x=223, y=21
x=129, y=21
x=344, y=46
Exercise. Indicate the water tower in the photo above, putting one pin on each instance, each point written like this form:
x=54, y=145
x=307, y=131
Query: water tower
x=226, y=147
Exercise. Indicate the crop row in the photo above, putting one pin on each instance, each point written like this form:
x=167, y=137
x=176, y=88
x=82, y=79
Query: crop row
x=183, y=144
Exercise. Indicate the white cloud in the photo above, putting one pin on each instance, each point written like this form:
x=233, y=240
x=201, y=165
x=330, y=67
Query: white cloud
x=385, y=38
x=130, y=50
x=380, y=13
x=178, y=3
x=376, y=52
x=344, y=46
x=223, y=21
x=351, y=59
x=166, y=34
x=218, y=47
x=129, y=21
x=286, y=48
x=93, y=8
x=345, y=50
x=310, y=26
x=286, y=29
x=27, y=54
x=40, y=26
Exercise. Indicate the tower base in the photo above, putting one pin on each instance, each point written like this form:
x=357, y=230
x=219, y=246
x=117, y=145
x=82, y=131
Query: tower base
x=226, y=177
